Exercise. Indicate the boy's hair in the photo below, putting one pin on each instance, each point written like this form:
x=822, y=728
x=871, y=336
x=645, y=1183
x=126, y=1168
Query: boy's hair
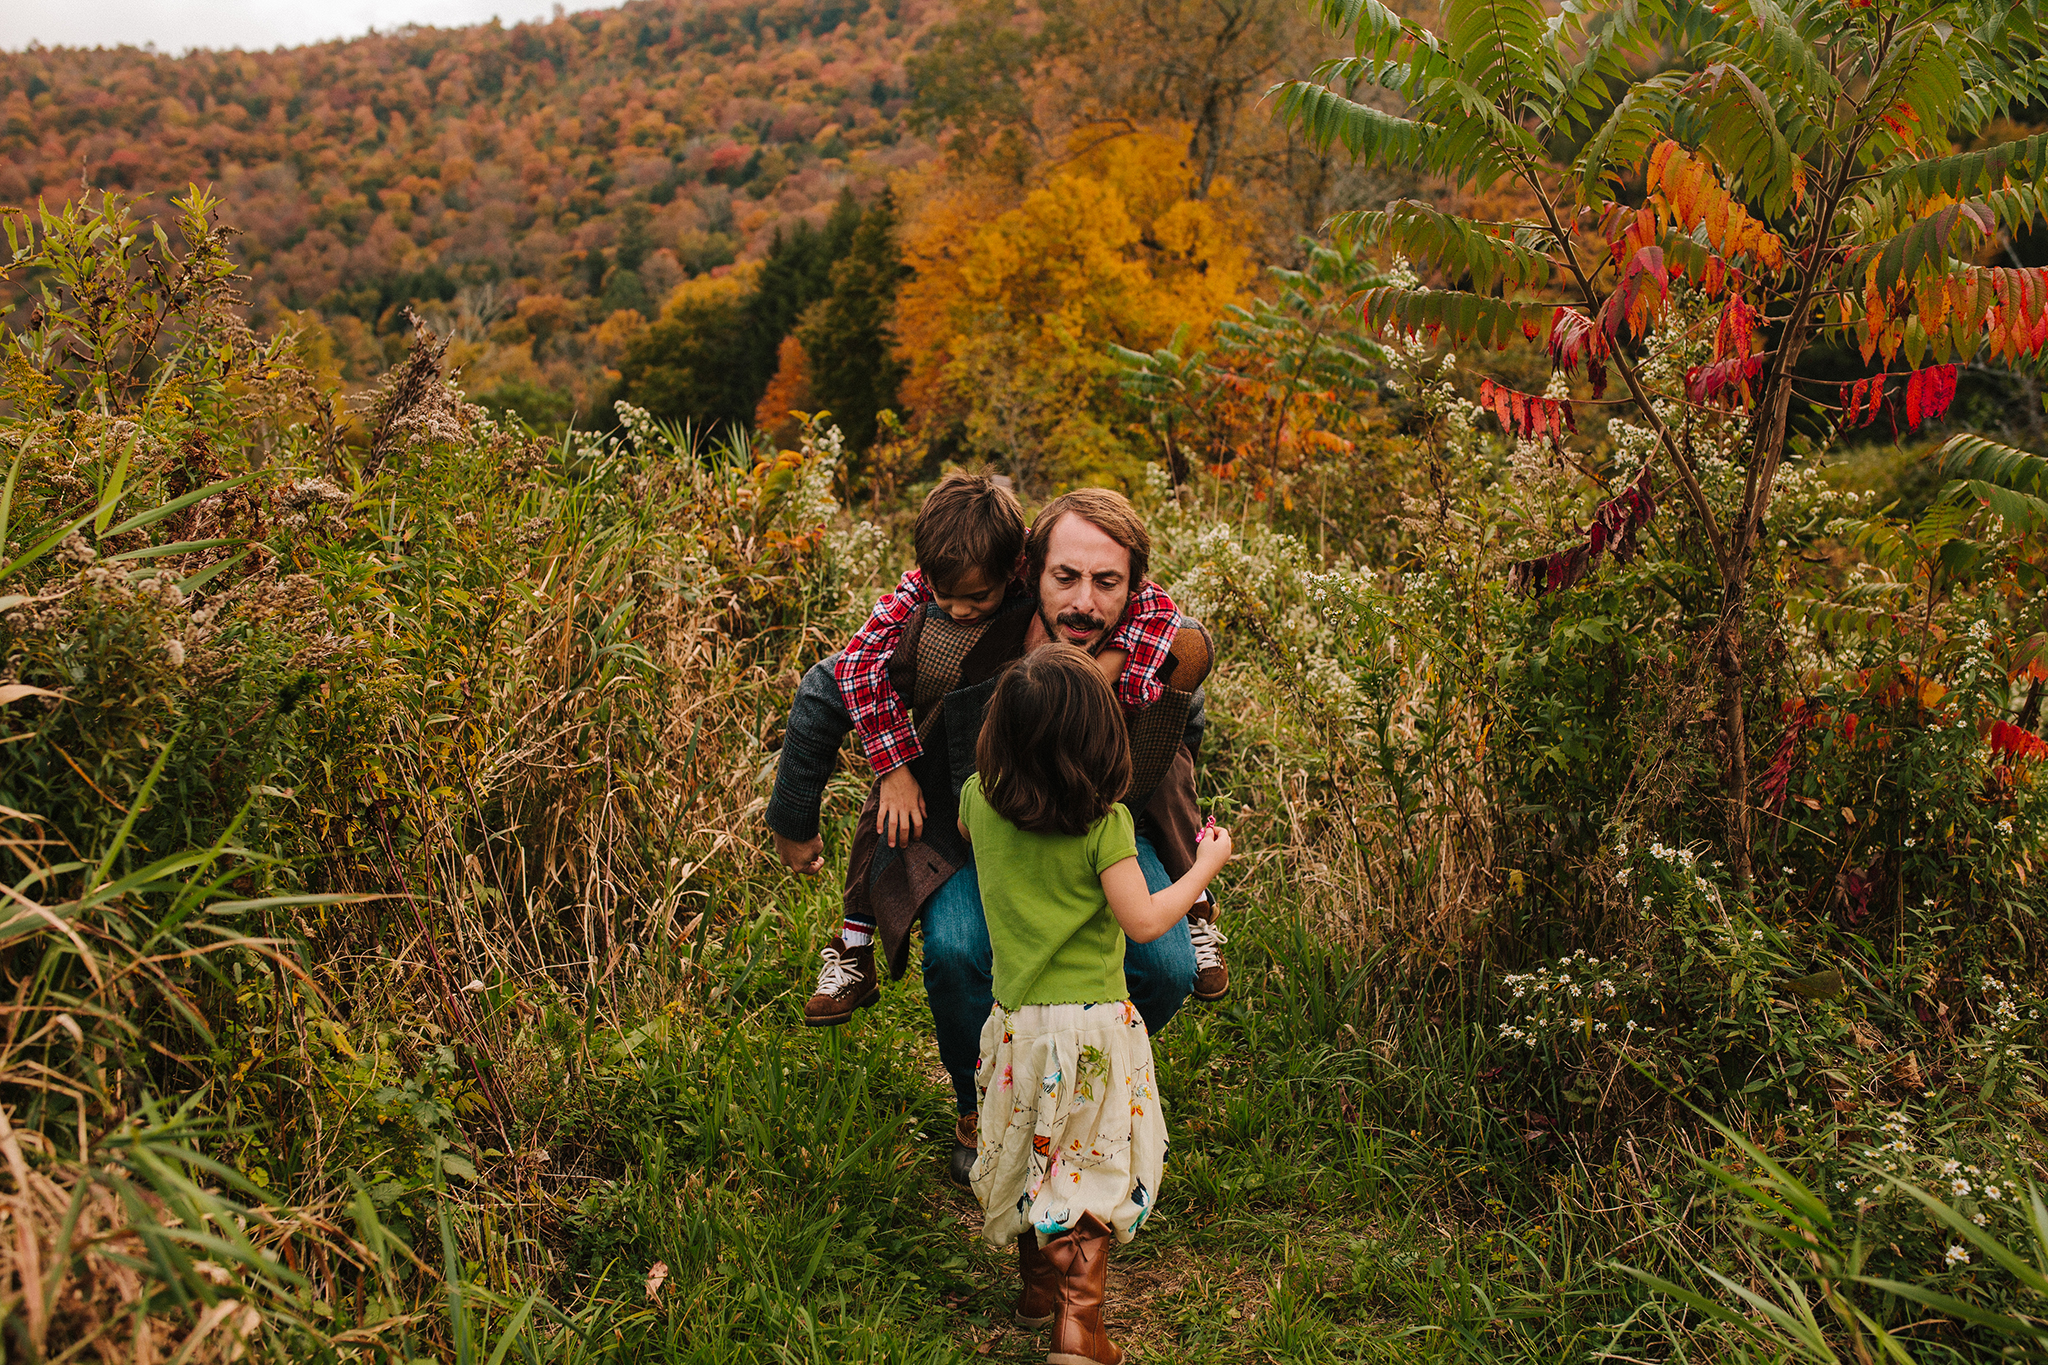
x=970, y=521
x=1103, y=508
x=1054, y=754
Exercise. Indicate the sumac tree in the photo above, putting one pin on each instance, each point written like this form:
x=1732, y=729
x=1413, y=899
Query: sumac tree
x=1792, y=164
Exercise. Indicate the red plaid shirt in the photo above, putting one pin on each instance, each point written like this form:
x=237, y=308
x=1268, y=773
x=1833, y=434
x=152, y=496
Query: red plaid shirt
x=1145, y=634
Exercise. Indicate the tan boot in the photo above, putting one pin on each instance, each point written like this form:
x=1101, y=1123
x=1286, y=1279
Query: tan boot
x=1039, y=1293
x=1212, y=973
x=845, y=983
x=1081, y=1259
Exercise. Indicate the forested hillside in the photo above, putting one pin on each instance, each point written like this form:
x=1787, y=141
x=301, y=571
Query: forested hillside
x=683, y=204
x=520, y=185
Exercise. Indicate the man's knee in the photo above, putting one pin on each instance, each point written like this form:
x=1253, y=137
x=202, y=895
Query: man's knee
x=956, y=946
x=1162, y=971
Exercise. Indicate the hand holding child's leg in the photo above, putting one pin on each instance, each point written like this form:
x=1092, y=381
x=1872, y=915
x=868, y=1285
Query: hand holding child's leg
x=900, y=817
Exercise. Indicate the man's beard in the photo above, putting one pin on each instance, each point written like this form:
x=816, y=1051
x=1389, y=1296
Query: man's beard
x=1080, y=620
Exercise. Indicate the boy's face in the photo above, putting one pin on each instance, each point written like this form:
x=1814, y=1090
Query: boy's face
x=970, y=597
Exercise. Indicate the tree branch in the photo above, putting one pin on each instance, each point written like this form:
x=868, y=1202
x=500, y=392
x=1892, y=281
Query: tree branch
x=1694, y=494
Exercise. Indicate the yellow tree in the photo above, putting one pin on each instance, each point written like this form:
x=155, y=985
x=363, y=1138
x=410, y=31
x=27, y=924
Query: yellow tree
x=1017, y=297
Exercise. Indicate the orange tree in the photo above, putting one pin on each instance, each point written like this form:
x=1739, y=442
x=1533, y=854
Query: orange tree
x=1791, y=166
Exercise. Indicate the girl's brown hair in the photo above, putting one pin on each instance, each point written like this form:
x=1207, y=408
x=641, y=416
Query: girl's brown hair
x=1054, y=754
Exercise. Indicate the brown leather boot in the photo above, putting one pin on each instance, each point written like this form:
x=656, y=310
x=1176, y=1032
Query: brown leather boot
x=1040, y=1291
x=1081, y=1259
x=1212, y=973
x=966, y=1142
x=845, y=983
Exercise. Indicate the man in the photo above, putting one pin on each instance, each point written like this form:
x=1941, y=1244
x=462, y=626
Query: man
x=1087, y=552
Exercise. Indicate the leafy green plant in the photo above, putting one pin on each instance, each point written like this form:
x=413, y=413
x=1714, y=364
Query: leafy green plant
x=1809, y=212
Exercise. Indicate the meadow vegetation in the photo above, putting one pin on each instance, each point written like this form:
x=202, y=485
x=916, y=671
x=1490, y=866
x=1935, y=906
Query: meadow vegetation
x=395, y=968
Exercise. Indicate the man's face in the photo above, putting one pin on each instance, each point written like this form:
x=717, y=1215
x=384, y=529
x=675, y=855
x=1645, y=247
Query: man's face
x=1085, y=585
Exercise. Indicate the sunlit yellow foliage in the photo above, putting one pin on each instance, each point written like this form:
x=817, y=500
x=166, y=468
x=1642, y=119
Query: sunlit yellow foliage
x=1007, y=321
x=728, y=287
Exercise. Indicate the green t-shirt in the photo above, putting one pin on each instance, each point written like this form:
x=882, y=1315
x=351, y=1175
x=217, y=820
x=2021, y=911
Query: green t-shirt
x=1055, y=940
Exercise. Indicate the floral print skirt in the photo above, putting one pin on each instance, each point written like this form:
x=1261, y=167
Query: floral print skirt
x=1070, y=1120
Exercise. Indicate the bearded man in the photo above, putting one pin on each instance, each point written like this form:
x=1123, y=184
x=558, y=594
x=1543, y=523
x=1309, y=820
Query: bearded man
x=1086, y=554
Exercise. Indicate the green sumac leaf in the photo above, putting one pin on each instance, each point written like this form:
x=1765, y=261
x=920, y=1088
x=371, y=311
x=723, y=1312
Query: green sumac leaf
x=1456, y=315
x=1968, y=456
x=1454, y=245
x=1374, y=28
x=1323, y=116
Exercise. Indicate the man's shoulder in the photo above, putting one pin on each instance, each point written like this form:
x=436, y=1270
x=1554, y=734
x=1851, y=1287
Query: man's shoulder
x=1190, y=658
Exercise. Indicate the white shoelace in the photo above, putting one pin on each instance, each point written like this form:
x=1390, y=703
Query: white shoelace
x=836, y=974
x=1207, y=937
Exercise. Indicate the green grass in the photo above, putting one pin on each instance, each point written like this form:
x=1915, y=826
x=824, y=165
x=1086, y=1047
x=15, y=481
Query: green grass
x=1322, y=1202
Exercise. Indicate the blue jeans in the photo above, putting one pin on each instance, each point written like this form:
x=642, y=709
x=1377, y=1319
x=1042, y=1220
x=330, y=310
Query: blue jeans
x=957, y=966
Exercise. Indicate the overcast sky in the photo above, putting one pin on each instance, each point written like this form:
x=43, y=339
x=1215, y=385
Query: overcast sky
x=176, y=25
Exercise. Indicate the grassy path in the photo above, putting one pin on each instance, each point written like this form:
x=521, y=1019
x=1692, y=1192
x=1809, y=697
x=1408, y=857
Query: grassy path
x=817, y=1225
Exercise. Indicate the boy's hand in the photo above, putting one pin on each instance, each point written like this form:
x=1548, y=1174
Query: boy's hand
x=1111, y=662
x=901, y=816
x=806, y=858
x=1214, y=850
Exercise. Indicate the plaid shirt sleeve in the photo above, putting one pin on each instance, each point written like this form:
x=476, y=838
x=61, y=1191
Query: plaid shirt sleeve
x=886, y=733
x=1146, y=636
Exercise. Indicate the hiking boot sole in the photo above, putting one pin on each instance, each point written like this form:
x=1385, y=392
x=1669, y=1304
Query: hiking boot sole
x=1211, y=999
x=835, y=1020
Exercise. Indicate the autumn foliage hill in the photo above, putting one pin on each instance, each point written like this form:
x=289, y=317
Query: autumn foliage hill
x=521, y=186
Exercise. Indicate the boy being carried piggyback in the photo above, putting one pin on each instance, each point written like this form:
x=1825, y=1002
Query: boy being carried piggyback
x=969, y=546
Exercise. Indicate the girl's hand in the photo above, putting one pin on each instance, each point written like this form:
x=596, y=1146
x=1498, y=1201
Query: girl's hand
x=901, y=816
x=1214, y=849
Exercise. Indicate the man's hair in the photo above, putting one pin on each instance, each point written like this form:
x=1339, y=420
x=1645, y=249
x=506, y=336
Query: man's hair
x=1054, y=753
x=1103, y=508
x=970, y=521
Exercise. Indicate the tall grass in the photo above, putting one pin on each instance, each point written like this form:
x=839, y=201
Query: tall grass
x=395, y=969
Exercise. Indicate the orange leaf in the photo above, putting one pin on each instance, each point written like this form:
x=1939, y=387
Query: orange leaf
x=1659, y=159
x=1933, y=304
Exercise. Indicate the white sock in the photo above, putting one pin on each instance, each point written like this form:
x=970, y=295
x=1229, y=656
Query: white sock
x=856, y=936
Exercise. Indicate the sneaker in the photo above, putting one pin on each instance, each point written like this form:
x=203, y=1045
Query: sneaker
x=845, y=983
x=1212, y=973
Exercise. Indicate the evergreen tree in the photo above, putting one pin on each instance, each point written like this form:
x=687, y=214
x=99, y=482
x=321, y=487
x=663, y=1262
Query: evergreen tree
x=683, y=368
x=846, y=336
x=710, y=363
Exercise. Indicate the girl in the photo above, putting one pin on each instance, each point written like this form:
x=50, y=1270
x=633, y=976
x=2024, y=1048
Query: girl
x=1072, y=1138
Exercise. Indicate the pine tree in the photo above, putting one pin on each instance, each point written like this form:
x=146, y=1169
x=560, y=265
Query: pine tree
x=847, y=340
x=710, y=363
x=685, y=368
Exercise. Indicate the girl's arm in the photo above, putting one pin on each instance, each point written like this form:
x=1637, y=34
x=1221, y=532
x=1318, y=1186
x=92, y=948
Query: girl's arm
x=1145, y=915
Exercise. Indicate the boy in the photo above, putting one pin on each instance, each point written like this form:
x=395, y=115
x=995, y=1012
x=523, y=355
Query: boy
x=969, y=547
